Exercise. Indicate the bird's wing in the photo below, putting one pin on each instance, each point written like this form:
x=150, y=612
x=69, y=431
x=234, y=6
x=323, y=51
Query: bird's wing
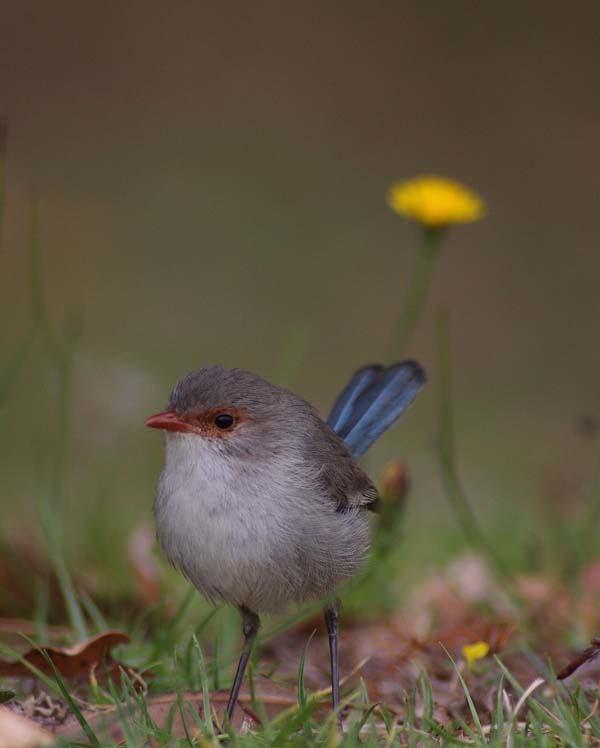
x=372, y=401
x=340, y=477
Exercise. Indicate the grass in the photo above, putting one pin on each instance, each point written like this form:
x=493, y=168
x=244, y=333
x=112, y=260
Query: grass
x=527, y=719
x=179, y=645
x=165, y=645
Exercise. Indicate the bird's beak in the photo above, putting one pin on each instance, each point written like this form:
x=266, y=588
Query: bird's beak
x=168, y=421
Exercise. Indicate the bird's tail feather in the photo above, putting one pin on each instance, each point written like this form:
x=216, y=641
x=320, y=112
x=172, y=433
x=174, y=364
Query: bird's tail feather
x=373, y=400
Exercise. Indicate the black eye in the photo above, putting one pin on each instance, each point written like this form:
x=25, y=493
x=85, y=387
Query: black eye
x=224, y=421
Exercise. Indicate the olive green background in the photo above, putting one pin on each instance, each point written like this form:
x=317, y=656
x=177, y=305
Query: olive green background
x=211, y=179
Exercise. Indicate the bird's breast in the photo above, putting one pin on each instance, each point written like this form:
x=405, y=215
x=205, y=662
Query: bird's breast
x=219, y=524
x=251, y=534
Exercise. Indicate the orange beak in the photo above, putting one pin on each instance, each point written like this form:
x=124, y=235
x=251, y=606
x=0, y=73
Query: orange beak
x=168, y=421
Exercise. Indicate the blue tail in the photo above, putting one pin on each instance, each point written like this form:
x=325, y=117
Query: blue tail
x=372, y=401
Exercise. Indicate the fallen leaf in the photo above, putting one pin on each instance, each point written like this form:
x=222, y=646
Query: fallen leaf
x=19, y=732
x=76, y=661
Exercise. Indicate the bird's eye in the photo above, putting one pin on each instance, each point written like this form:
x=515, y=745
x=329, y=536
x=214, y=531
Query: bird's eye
x=224, y=421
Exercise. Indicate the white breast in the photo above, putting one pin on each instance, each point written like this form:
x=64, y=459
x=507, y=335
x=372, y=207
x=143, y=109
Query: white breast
x=215, y=524
x=246, y=533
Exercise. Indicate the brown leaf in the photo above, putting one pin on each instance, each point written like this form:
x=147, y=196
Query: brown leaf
x=19, y=732
x=76, y=661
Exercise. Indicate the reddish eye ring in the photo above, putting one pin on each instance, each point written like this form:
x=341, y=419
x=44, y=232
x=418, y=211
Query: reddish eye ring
x=224, y=421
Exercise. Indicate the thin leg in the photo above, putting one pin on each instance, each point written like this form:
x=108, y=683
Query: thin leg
x=332, y=621
x=250, y=625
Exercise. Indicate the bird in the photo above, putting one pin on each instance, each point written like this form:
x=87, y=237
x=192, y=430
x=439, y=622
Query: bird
x=261, y=503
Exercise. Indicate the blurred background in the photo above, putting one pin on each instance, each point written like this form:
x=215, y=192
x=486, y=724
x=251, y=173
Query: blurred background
x=211, y=183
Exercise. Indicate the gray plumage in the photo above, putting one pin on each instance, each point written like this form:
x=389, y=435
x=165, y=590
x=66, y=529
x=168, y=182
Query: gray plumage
x=272, y=513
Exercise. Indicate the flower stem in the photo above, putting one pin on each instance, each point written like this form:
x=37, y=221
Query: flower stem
x=418, y=291
x=455, y=492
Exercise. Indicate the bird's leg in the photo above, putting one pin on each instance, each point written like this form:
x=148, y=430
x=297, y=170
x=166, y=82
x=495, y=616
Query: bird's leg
x=250, y=626
x=332, y=621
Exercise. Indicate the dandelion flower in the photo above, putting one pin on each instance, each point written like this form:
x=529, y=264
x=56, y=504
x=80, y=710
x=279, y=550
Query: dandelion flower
x=435, y=202
x=475, y=651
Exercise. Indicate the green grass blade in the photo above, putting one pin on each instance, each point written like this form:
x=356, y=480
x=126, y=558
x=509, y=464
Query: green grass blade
x=124, y=718
x=208, y=723
x=73, y=705
x=93, y=612
x=473, y=711
x=499, y=716
x=302, y=693
x=69, y=594
x=180, y=706
x=12, y=654
x=214, y=665
x=539, y=709
x=426, y=700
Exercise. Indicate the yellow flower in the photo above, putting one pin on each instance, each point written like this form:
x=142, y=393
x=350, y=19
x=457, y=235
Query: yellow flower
x=435, y=201
x=474, y=652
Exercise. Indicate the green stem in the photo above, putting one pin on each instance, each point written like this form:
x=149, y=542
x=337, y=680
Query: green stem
x=60, y=354
x=455, y=493
x=418, y=291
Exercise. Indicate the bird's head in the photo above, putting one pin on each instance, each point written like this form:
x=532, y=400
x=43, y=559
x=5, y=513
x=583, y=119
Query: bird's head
x=216, y=406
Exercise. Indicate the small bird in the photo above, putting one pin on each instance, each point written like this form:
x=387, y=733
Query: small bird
x=261, y=503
